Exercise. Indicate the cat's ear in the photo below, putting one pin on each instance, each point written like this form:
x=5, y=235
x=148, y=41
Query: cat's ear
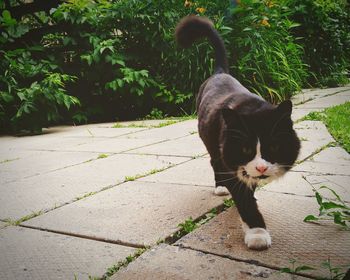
x=285, y=108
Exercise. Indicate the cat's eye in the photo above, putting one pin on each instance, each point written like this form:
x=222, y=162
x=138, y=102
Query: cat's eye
x=247, y=150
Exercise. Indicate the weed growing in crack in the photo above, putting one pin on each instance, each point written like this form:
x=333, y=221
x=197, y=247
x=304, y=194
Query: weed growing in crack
x=335, y=273
x=187, y=226
x=138, y=176
x=8, y=160
x=85, y=195
x=336, y=209
x=102, y=156
x=115, y=268
x=295, y=269
x=229, y=203
x=23, y=219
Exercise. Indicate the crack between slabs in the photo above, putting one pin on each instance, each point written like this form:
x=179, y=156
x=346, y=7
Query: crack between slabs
x=44, y=211
x=248, y=261
x=105, y=240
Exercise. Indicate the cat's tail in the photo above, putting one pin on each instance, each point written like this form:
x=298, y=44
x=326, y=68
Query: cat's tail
x=191, y=28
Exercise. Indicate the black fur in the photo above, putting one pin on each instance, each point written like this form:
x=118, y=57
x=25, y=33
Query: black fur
x=231, y=120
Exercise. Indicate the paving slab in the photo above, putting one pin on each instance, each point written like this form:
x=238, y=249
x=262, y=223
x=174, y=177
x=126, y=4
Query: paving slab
x=307, y=243
x=196, y=172
x=190, y=146
x=325, y=102
x=315, y=93
x=101, y=132
x=298, y=114
x=168, y=132
x=332, y=160
x=175, y=263
x=49, y=190
x=113, y=145
x=136, y=213
x=11, y=145
x=313, y=135
x=340, y=184
x=34, y=254
x=141, y=123
x=305, y=184
x=40, y=162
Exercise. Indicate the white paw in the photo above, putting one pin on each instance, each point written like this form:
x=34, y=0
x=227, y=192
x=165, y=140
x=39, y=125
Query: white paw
x=257, y=239
x=221, y=191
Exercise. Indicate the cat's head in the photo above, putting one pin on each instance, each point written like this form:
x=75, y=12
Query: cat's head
x=260, y=145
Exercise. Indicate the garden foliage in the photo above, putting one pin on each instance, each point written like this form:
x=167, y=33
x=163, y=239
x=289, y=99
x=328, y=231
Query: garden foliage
x=99, y=60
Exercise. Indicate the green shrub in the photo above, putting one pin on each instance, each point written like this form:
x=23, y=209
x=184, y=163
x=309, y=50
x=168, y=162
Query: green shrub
x=324, y=32
x=265, y=57
x=102, y=60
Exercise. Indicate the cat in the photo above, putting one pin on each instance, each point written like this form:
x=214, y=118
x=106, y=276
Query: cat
x=248, y=139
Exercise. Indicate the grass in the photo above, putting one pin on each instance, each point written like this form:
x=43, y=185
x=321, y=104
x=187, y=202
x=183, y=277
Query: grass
x=190, y=225
x=337, y=121
x=8, y=160
x=137, y=176
x=23, y=219
x=167, y=121
x=102, y=156
x=115, y=268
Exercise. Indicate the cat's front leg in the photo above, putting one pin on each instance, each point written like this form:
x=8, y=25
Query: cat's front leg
x=223, y=178
x=256, y=236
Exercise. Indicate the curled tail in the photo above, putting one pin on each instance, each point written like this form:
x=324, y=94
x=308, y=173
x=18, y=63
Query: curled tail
x=191, y=28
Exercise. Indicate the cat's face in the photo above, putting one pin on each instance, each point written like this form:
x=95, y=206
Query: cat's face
x=260, y=146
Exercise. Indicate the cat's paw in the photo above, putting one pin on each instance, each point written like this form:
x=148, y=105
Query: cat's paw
x=257, y=239
x=220, y=191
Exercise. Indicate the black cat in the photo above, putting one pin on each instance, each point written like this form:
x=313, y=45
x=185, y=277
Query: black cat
x=248, y=139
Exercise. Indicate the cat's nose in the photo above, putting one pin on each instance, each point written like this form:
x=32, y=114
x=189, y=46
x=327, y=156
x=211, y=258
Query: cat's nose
x=261, y=168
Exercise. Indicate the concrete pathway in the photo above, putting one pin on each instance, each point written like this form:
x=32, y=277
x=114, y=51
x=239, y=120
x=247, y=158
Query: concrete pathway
x=78, y=202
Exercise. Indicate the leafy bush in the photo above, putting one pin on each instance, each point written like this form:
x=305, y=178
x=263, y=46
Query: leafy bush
x=324, y=32
x=104, y=60
x=266, y=58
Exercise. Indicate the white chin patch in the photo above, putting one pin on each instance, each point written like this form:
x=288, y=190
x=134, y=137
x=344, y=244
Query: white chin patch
x=220, y=191
x=257, y=239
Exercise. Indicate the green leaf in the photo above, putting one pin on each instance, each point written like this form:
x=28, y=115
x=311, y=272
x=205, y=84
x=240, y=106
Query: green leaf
x=319, y=198
x=120, y=83
x=286, y=270
x=6, y=97
x=332, y=205
x=21, y=95
x=310, y=218
x=303, y=268
x=7, y=19
x=338, y=219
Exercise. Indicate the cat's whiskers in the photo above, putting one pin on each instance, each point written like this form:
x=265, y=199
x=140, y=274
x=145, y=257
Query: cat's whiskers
x=225, y=180
x=232, y=172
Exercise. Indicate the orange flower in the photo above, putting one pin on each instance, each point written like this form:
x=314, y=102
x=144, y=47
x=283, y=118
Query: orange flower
x=200, y=10
x=264, y=22
x=188, y=4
